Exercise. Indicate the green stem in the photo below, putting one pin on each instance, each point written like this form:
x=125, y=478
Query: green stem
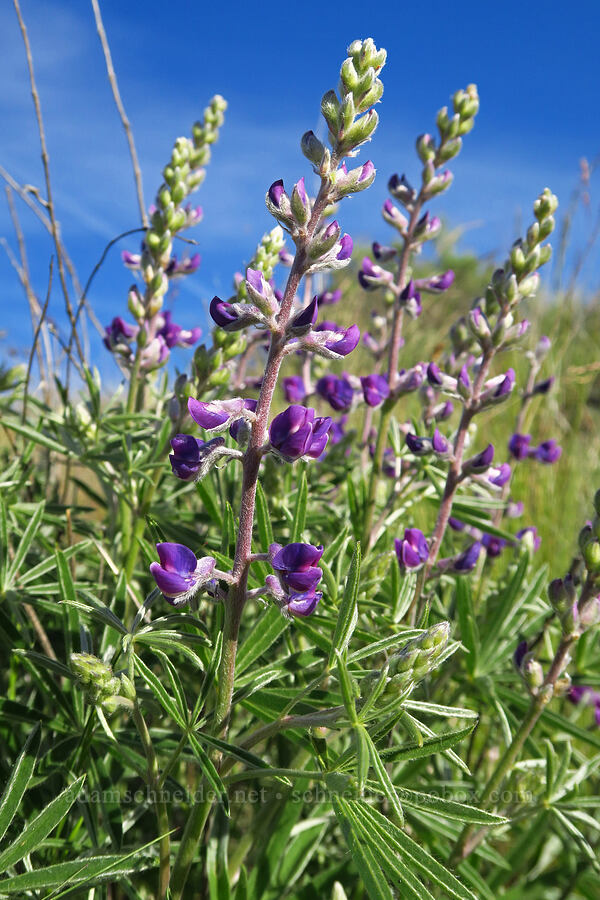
x=160, y=806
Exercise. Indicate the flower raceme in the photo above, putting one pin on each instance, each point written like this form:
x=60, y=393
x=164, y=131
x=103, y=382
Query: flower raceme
x=179, y=574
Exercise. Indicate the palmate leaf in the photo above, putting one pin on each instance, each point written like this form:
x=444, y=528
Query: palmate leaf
x=19, y=779
x=364, y=858
x=40, y=827
x=450, y=809
x=397, y=841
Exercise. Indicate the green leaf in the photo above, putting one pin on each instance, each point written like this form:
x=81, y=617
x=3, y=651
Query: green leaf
x=336, y=549
x=209, y=677
x=268, y=627
x=384, y=779
x=159, y=691
x=209, y=771
x=18, y=780
x=48, y=564
x=347, y=688
x=87, y=869
x=450, y=809
x=263, y=519
x=4, y=558
x=25, y=543
x=467, y=622
x=368, y=867
x=348, y=612
x=206, y=491
x=39, y=828
x=411, y=851
x=435, y=744
x=300, y=508
x=363, y=755
x=176, y=684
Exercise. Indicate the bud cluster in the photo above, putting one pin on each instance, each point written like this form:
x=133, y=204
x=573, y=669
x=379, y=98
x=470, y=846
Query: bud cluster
x=101, y=687
x=410, y=665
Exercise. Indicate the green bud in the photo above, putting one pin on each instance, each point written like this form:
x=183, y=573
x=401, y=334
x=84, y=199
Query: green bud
x=587, y=534
x=448, y=150
x=545, y=255
x=532, y=673
x=219, y=378
x=127, y=687
x=330, y=108
x=235, y=348
x=425, y=147
x=312, y=148
x=591, y=556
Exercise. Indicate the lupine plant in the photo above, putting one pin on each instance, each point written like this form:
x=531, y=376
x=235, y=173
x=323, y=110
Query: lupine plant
x=287, y=640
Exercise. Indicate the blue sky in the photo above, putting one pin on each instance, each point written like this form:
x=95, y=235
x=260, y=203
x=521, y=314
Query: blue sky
x=536, y=68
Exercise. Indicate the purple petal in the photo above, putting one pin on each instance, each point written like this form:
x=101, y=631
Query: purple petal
x=177, y=558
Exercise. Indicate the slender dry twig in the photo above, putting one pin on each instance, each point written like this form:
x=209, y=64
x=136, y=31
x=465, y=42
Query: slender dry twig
x=34, y=306
x=112, y=78
x=49, y=200
x=36, y=335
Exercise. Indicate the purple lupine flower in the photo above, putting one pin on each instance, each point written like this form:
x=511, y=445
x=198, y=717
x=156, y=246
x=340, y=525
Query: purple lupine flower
x=215, y=413
x=519, y=654
x=441, y=447
x=499, y=475
x=303, y=604
x=437, y=284
x=222, y=312
x=346, y=245
x=542, y=387
x=375, y=389
x=493, y=545
x=383, y=253
x=506, y=385
x=305, y=319
x=328, y=298
x=418, y=446
x=194, y=214
x=480, y=462
x=456, y=524
x=530, y=535
x=131, y=260
x=189, y=453
x=119, y=334
x=176, y=336
x=297, y=577
x=467, y=560
x=372, y=277
x=346, y=343
x=583, y=693
x=179, y=575
x=514, y=510
x=412, y=551
x=337, y=391
x=249, y=404
x=435, y=376
x=392, y=214
x=542, y=348
x=294, y=388
x=276, y=191
x=410, y=299
x=186, y=266
x=285, y=257
x=295, y=557
x=547, y=452
x=154, y=354
x=518, y=446
x=443, y=411
x=298, y=432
